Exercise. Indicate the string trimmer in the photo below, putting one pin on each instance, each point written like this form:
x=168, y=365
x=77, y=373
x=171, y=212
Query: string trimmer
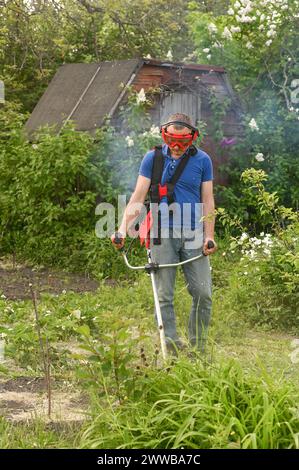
x=151, y=268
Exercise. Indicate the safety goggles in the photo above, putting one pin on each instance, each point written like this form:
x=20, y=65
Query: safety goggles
x=183, y=141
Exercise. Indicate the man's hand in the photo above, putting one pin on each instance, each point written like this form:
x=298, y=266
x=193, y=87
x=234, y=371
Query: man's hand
x=208, y=251
x=118, y=240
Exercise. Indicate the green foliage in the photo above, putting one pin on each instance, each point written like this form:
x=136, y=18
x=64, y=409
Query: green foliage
x=48, y=194
x=42, y=36
x=262, y=72
x=37, y=435
x=266, y=276
x=50, y=189
x=96, y=339
x=192, y=406
x=258, y=209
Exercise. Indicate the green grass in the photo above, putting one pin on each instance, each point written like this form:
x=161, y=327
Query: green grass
x=243, y=394
x=37, y=435
x=192, y=405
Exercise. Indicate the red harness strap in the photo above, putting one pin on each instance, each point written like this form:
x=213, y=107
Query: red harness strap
x=162, y=190
x=145, y=228
x=157, y=191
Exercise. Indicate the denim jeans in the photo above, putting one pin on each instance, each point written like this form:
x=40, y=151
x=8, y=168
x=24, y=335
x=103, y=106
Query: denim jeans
x=179, y=247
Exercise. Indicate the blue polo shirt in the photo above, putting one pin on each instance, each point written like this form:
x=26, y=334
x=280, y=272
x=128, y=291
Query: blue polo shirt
x=187, y=192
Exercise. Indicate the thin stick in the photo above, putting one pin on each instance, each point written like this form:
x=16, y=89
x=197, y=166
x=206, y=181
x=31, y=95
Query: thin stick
x=44, y=354
x=49, y=389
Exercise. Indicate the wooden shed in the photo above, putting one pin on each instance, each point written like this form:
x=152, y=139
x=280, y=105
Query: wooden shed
x=88, y=94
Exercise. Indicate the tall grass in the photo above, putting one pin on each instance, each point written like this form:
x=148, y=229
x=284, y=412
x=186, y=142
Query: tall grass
x=37, y=435
x=192, y=405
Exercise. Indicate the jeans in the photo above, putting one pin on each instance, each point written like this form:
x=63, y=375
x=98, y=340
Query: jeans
x=199, y=284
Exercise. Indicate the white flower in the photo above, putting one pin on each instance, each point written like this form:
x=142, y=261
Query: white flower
x=230, y=11
x=155, y=131
x=246, y=19
x=212, y=28
x=269, y=42
x=249, y=45
x=267, y=252
x=64, y=291
x=3, y=296
x=209, y=56
x=148, y=56
x=206, y=50
x=284, y=7
x=267, y=241
x=224, y=253
x=226, y=33
x=258, y=241
x=130, y=141
x=245, y=273
x=261, y=27
x=237, y=5
x=35, y=146
x=253, y=125
x=244, y=236
x=271, y=33
x=77, y=313
x=262, y=234
x=169, y=55
x=259, y=157
x=262, y=17
x=141, y=98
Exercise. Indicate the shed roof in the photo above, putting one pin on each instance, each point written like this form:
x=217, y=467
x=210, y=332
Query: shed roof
x=97, y=85
x=87, y=93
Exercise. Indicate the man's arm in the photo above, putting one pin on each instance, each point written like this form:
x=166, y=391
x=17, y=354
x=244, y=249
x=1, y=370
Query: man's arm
x=207, y=197
x=134, y=206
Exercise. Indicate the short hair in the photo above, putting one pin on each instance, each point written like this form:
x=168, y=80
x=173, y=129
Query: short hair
x=180, y=117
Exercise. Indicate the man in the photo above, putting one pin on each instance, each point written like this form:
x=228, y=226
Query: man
x=182, y=237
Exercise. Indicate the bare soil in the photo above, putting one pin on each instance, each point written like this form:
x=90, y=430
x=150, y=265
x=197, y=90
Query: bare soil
x=15, y=280
x=25, y=398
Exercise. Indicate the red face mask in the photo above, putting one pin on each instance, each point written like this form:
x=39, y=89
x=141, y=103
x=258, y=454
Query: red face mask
x=183, y=141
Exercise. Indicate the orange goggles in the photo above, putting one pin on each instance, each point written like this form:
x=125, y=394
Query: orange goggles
x=183, y=141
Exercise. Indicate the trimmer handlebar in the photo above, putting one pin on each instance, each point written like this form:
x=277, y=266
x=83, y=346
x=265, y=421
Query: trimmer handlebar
x=156, y=266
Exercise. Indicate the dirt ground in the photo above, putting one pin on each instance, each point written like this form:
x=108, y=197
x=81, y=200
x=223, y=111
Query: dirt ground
x=15, y=280
x=25, y=398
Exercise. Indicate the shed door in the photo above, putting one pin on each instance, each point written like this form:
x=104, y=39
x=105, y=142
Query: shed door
x=180, y=102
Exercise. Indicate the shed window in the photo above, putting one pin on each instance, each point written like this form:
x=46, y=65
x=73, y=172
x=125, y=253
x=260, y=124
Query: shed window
x=180, y=102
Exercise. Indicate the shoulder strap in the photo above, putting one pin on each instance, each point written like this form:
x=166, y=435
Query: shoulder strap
x=179, y=169
x=177, y=174
x=157, y=171
x=181, y=166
